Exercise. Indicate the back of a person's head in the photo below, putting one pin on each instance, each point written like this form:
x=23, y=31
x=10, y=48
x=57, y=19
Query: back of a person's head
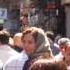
x=44, y=64
x=17, y=39
x=50, y=35
x=4, y=37
x=58, y=36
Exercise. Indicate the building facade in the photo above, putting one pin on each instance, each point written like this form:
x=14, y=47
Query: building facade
x=66, y=4
x=11, y=22
x=50, y=14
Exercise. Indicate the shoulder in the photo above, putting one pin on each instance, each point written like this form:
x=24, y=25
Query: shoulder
x=10, y=50
x=14, y=62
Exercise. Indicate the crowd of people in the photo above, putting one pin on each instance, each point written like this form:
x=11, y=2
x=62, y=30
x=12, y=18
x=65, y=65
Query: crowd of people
x=34, y=49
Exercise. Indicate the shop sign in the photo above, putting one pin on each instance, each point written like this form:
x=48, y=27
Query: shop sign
x=3, y=13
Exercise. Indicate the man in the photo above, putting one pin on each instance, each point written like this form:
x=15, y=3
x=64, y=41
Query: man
x=16, y=62
x=64, y=44
x=6, y=52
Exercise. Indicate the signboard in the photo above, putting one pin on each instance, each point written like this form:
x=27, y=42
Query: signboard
x=1, y=21
x=3, y=13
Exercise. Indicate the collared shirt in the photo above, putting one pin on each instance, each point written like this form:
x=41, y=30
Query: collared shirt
x=17, y=62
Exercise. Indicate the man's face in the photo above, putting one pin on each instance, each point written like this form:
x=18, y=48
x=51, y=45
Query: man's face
x=65, y=50
x=68, y=50
x=66, y=53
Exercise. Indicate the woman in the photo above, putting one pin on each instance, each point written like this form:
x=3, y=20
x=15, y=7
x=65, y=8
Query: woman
x=35, y=44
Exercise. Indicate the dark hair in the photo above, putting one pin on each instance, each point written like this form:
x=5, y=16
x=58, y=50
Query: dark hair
x=50, y=35
x=48, y=65
x=4, y=37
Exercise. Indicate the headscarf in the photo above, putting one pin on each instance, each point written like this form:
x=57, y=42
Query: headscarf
x=42, y=43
